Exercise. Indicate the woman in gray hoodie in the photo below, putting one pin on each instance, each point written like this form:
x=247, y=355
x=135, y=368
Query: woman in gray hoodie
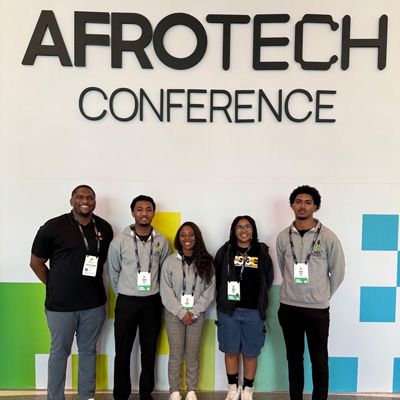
x=187, y=287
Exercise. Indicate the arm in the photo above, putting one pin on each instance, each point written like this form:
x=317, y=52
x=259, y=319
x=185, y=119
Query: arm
x=219, y=259
x=269, y=267
x=39, y=267
x=269, y=271
x=170, y=301
x=114, y=266
x=279, y=255
x=166, y=251
x=206, y=298
x=336, y=265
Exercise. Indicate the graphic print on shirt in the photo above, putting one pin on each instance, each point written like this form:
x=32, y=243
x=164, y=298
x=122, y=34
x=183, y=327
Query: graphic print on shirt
x=317, y=251
x=251, y=262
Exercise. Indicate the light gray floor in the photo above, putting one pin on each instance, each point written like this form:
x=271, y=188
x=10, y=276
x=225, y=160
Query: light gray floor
x=216, y=395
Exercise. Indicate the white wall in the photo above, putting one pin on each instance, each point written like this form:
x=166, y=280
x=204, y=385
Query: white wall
x=210, y=172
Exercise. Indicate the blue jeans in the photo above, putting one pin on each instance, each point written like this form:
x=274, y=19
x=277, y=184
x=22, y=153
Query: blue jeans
x=87, y=325
x=243, y=333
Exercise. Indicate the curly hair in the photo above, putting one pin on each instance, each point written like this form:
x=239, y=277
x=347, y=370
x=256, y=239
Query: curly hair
x=143, y=197
x=232, y=234
x=305, y=189
x=203, y=260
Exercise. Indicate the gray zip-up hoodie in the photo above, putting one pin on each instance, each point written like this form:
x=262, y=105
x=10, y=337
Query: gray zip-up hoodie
x=171, y=287
x=325, y=268
x=121, y=261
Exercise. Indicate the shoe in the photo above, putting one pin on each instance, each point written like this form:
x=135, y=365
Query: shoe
x=191, y=395
x=247, y=393
x=146, y=396
x=175, y=396
x=233, y=392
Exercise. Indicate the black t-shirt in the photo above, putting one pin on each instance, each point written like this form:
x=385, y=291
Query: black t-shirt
x=303, y=231
x=250, y=283
x=60, y=241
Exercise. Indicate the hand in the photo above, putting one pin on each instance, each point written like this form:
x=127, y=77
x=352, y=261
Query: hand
x=188, y=318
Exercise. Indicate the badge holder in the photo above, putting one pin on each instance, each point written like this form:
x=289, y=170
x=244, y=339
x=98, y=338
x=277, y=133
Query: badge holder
x=234, y=291
x=187, y=301
x=144, y=282
x=301, y=274
x=90, y=266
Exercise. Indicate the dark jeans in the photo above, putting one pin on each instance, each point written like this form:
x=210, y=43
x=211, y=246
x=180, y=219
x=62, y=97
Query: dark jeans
x=295, y=321
x=133, y=312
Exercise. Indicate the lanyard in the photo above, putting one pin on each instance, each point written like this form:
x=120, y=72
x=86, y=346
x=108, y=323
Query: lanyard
x=311, y=247
x=137, y=252
x=84, y=237
x=184, y=278
x=243, y=264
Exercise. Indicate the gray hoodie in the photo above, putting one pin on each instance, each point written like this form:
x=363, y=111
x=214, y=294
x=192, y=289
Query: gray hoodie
x=172, y=287
x=121, y=262
x=325, y=268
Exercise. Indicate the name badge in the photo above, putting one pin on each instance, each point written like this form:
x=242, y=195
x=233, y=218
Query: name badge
x=90, y=266
x=144, y=282
x=234, y=290
x=301, y=274
x=187, y=301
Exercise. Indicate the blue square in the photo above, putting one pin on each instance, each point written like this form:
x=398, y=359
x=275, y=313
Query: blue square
x=396, y=375
x=398, y=269
x=380, y=232
x=378, y=304
x=343, y=374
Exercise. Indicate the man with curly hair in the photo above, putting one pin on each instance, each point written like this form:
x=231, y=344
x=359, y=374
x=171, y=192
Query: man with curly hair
x=311, y=261
x=134, y=262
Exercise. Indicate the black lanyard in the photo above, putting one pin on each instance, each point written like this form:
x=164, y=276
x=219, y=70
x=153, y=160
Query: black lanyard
x=243, y=264
x=137, y=251
x=184, y=278
x=84, y=237
x=311, y=247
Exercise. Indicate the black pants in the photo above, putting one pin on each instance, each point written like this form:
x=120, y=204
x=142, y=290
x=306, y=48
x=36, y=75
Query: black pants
x=295, y=321
x=133, y=312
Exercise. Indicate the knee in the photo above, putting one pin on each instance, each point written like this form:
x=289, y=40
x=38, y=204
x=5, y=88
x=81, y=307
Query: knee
x=60, y=352
x=86, y=346
x=87, y=350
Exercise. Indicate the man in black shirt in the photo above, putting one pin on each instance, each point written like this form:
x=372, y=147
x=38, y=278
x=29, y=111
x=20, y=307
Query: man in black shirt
x=76, y=245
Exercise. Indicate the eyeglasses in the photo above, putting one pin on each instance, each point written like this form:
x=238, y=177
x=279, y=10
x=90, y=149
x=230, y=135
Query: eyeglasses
x=243, y=228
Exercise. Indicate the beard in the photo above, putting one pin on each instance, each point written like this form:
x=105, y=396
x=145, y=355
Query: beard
x=83, y=213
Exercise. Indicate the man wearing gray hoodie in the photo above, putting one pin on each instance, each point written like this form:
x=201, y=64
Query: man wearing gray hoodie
x=311, y=261
x=134, y=262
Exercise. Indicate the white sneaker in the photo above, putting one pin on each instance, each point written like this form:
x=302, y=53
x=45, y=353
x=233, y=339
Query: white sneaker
x=247, y=393
x=191, y=396
x=175, y=396
x=233, y=392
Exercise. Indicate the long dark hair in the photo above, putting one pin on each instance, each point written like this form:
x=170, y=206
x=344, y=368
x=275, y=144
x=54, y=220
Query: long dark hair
x=232, y=234
x=203, y=261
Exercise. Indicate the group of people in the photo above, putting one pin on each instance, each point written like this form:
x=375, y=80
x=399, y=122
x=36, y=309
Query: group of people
x=145, y=277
